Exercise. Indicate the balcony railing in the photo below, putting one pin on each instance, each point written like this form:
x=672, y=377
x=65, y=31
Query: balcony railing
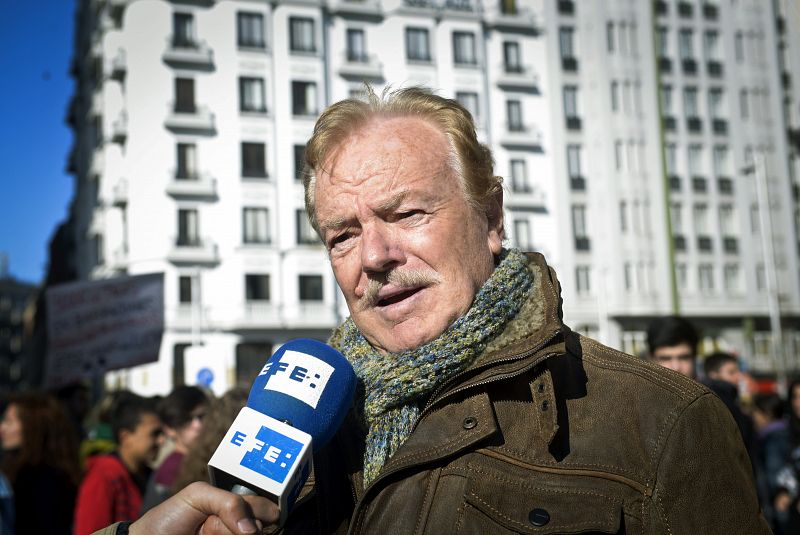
x=193, y=250
x=699, y=184
x=120, y=193
x=720, y=126
x=573, y=122
x=689, y=66
x=363, y=8
x=665, y=64
x=566, y=7
x=196, y=119
x=710, y=11
x=189, y=53
x=679, y=242
x=569, y=64
x=119, y=129
x=685, y=9
x=704, y=244
x=359, y=65
x=714, y=68
x=730, y=244
x=725, y=185
x=518, y=76
x=694, y=124
x=577, y=183
x=521, y=135
x=674, y=183
x=119, y=65
x=517, y=19
x=661, y=7
x=670, y=123
x=196, y=186
x=582, y=243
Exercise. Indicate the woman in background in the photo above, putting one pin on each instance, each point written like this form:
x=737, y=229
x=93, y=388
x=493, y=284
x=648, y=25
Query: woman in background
x=40, y=460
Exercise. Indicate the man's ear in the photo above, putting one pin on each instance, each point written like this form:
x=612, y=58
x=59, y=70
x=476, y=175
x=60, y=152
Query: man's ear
x=122, y=438
x=494, y=216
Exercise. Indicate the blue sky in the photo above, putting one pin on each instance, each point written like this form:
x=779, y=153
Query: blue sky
x=35, y=87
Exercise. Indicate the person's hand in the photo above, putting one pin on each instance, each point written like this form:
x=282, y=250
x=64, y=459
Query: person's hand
x=204, y=510
x=782, y=501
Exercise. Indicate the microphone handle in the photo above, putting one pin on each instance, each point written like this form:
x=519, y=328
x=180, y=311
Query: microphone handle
x=241, y=490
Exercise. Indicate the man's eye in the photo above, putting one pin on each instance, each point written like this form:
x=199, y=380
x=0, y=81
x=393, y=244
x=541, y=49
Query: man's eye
x=409, y=213
x=338, y=240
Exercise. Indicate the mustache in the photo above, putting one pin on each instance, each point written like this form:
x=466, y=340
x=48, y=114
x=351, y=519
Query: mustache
x=411, y=278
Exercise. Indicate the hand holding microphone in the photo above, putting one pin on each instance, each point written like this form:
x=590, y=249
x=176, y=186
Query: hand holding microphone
x=296, y=405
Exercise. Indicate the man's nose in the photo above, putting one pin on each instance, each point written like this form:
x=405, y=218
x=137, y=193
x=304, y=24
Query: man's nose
x=380, y=252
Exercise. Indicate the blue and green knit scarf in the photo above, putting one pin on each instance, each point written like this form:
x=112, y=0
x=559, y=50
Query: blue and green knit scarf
x=394, y=385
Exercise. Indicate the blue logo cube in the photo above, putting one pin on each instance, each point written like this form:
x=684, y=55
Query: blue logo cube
x=272, y=455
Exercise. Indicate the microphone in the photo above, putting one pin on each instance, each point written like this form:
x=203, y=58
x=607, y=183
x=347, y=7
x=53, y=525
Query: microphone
x=296, y=405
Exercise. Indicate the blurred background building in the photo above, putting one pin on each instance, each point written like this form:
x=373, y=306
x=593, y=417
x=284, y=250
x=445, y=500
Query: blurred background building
x=632, y=137
x=16, y=298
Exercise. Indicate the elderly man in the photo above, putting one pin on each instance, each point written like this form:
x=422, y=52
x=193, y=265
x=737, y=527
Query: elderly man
x=478, y=410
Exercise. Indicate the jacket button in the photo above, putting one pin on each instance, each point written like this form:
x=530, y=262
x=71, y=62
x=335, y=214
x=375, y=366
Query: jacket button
x=545, y=405
x=469, y=422
x=538, y=517
x=540, y=388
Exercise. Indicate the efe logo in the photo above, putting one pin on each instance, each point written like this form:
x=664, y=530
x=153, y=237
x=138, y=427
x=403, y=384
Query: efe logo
x=268, y=453
x=298, y=375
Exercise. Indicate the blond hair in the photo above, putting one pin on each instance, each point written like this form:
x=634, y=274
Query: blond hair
x=470, y=160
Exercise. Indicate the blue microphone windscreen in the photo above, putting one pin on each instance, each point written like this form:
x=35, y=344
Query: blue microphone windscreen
x=307, y=384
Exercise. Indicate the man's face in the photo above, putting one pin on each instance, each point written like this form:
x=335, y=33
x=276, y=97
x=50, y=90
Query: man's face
x=728, y=372
x=408, y=251
x=143, y=442
x=679, y=358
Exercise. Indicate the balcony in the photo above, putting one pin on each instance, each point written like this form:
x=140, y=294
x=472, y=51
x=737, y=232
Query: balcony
x=573, y=122
x=119, y=66
x=786, y=80
x=119, y=129
x=190, y=119
x=361, y=66
x=520, y=135
x=119, y=259
x=582, y=243
x=188, y=250
x=661, y=7
x=188, y=53
x=679, y=242
x=730, y=245
x=694, y=124
x=569, y=64
x=689, y=66
x=518, y=77
x=577, y=183
x=685, y=9
x=670, y=124
x=519, y=20
x=665, y=64
x=699, y=184
x=704, y=244
x=714, y=68
x=566, y=7
x=257, y=315
x=459, y=7
x=710, y=11
x=674, y=183
x=197, y=186
x=720, y=126
x=725, y=185
x=119, y=195
x=356, y=8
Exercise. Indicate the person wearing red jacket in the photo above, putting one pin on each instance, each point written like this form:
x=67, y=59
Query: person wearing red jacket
x=114, y=483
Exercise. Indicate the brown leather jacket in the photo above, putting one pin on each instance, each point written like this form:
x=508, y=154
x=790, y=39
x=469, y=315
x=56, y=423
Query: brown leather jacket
x=549, y=432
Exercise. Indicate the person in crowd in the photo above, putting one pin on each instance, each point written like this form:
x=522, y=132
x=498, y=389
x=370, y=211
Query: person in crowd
x=672, y=341
x=99, y=433
x=478, y=410
x=772, y=453
x=182, y=413
x=220, y=416
x=722, y=376
x=114, y=483
x=6, y=506
x=787, y=500
x=40, y=460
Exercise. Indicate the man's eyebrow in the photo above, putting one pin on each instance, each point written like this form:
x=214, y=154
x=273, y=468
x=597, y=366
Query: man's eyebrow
x=334, y=223
x=393, y=202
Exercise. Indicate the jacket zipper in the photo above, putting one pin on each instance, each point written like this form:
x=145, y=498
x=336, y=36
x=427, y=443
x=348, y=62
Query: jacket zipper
x=435, y=399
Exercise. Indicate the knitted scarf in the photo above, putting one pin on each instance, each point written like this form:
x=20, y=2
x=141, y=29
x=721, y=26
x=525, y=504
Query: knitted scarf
x=393, y=386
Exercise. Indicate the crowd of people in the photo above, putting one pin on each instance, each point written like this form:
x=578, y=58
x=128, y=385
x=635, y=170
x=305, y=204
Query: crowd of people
x=768, y=423
x=67, y=470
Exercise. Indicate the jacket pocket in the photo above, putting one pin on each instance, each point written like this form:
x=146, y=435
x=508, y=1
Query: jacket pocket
x=493, y=506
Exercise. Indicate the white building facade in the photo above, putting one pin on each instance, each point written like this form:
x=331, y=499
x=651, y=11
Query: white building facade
x=190, y=119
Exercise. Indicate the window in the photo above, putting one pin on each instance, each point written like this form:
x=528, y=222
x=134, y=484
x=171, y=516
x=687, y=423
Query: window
x=634, y=39
x=761, y=277
x=184, y=95
x=686, y=44
x=566, y=39
x=666, y=100
x=178, y=368
x=662, y=42
x=695, y=159
x=304, y=98
x=250, y=30
x=582, y=283
x=299, y=161
x=727, y=220
x=623, y=216
x=188, y=227
x=701, y=219
x=738, y=45
x=579, y=220
x=254, y=160
x=185, y=289
x=711, y=45
x=744, y=104
x=301, y=34
x=705, y=277
x=627, y=272
x=306, y=235
x=690, y=108
x=255, y=225
x=627, y=98
x=356, y=45
x=310, y=287
x=519, y=176
x=682, y=276
x=251, y=95
x=514, y=116
x=731, y=275
x=715, y=103
x=721, y=160
x=522, y=234
x=187, y=161
x=610, y=37
x=512, y=58
x=469, y=100
x=571, y=101
x=622, y=35
x=249, y=360
x=417, y=44
x=464, y=48
x=183, y=30
x=614, y=96
x=574, y=161
x=256, y=287
x=619, y=159
x=755, y=221
x=676, y=217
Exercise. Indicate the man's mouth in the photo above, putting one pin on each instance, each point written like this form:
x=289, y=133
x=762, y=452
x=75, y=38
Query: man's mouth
x=399, y=296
